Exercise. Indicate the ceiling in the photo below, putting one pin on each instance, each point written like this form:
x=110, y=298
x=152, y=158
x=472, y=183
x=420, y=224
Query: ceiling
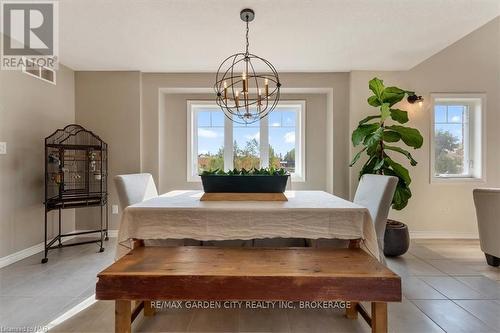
x=295, y=35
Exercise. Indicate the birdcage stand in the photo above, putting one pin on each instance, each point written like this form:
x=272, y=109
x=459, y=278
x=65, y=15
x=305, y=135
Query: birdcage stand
x=76, y=170
x=57, y=241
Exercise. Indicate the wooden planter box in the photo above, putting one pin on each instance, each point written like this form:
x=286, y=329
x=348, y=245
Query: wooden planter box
x=244, y=184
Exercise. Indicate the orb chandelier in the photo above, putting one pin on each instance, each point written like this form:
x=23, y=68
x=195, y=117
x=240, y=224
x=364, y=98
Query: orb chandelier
x=244, y=94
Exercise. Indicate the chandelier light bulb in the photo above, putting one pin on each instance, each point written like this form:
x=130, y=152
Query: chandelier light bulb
x=236, y=98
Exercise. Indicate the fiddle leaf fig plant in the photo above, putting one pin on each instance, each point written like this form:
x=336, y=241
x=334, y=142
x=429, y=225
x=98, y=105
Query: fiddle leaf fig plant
x=378, y=134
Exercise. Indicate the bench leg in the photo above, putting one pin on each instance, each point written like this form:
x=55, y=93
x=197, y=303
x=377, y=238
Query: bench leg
x=148, y=309
x=379, y=317
x=352, y=312
x=123, y=313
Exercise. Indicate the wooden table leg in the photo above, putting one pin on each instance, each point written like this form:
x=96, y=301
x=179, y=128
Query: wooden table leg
x=351, y=312
x=148, y=309
x=379, y=317
x=123, y=314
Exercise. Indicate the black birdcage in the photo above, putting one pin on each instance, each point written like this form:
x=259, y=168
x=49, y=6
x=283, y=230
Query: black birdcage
x=76, y=173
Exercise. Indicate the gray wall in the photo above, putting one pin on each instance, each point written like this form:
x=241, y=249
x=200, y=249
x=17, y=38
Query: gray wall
x=30, y=110
x=173, y=141
x=472, y=64
x=145, y=114
x=127, y=108
x=335, y=141
x=108, y=103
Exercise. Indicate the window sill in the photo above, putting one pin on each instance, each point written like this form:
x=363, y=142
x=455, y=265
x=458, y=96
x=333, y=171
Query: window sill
x=457, y=180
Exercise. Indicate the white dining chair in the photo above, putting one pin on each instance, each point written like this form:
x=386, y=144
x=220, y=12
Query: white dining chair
x=375, y=192
x=135, y=188
x=138, y=187
x=487, y=202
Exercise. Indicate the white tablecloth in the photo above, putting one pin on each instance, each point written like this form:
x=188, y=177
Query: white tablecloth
x=306, y=214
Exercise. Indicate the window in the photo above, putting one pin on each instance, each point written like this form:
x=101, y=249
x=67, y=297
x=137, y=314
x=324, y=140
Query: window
x=246, y=146
x=209, y=139
x=215, y=142
x=457, y=137
x=283, y=134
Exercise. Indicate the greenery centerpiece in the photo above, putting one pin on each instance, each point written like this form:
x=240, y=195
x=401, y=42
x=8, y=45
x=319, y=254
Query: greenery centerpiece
x=263, y=180
x=383, y=139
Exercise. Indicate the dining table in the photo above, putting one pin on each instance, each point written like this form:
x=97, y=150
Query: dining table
x=180, y=214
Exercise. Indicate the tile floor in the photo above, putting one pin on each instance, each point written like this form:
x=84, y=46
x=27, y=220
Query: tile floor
x=447, y=287
x=33, y=294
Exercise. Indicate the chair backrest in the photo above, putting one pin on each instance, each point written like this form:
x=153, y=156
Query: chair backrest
x=375, y=192
x=487, y=202
x=135, y=188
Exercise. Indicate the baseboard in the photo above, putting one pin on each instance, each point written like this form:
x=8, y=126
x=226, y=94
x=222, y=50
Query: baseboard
x=443, y=235
x=23, y=254
x=20, y=255
x=70, y=313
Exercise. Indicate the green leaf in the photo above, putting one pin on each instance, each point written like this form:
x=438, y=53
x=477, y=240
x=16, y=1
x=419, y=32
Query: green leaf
x=373, y=150
x=368, y=119
x=391, y=136
x=399, y=170
x=377, y=86
x=368, y=166
x=384, y=112
x=402, y=151
x=357, y=156
x=379, y=165
x=400, y=116
x=401, y=196
x=410, y=136
x=374, y=101
x=374, y=138
x=362, y=131
x=392, y=95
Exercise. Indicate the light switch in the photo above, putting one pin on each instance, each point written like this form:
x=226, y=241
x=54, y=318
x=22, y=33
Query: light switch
x=3, y=148
x=114, y=209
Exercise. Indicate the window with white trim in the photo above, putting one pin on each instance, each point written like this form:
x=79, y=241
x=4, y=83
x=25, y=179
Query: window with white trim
x=215, y=142
x=457, y=137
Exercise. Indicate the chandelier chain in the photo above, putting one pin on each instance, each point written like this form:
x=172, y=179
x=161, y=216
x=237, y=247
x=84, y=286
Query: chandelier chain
x=247, y=44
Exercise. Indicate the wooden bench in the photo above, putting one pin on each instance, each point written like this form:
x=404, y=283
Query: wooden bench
x=263, y=274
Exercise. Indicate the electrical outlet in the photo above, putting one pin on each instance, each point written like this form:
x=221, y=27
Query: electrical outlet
x=114, y=209
x=3, y=148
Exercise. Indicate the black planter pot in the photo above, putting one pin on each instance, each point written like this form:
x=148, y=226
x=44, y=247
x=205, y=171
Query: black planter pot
x=396, y=239
x=244, y=184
